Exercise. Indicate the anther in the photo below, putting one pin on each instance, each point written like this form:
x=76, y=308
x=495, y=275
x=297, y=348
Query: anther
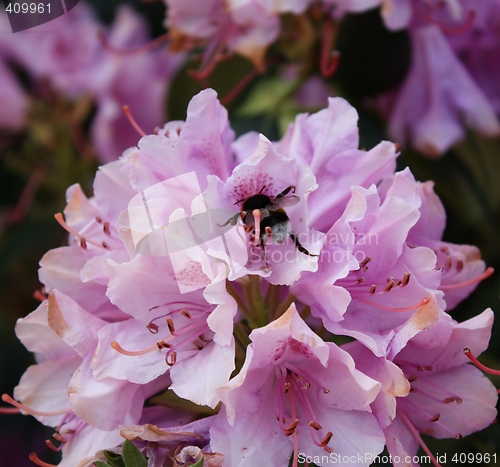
x=413, y=378
x=51, y=445
x=163, y=345
x=460, y=265
x=152, y=328
x=428, y=431
x=458, y=436
x=98, y=219
x=171, y=359
x=306, y=386
x=171, y=326
x=326, y=439
x=361, y=280
x=406, y=279
x=185, y=313
x=373, y=289
x=364, y=262
x=83, y=243
x=106, y=246
x=389, y=286
x=59, y=438
x=287, y=387
x=105, y=228
x=291, y=428
x=326, y=391
x=449, y=400
x=435, y=418
x=315, y=425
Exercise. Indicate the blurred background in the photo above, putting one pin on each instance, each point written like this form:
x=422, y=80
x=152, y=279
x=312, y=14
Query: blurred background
x=69, y=126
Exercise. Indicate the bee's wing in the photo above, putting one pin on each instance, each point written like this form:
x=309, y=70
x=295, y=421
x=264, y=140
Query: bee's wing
x=283, y=202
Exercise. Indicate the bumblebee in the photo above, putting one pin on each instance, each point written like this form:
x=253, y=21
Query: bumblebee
x=265, y=219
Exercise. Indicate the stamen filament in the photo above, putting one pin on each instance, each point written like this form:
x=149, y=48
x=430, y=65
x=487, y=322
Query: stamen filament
x=28, y=410
x=329, y=59
x=141, y=48
x=5, y=411
x=133, y=122
x=422, y=302
x=480, y=278
x=295, y=435
x=416, y=434
x=476, y=362
x=133, y=353
x=427, y=416
x=34, y=458
x=449, y=29
x=83, y=241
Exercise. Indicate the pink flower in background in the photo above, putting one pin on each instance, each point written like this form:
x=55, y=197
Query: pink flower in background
x=119, y=81
x=245, y=27
x=68, y=55
x=13, y=101
x=437, y=97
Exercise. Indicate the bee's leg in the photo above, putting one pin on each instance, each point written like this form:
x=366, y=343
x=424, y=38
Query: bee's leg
x=298, y=245
x=286, y=191
x=231, y=220
x=263, y=248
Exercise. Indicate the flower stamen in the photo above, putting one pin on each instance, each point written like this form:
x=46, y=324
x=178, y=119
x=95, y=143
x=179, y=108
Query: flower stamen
x=34, y=458
x=133, y=122
x=468, y=353
x=30, y=411
x=480, y=278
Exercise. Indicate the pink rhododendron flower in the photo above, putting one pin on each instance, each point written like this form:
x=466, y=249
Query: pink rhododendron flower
x=437, y=96
x=327, y=142
x=448, y=396
x=294, y=380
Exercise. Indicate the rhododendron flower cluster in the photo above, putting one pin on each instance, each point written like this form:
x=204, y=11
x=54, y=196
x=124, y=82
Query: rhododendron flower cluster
x=67, y=57
x=450, y=86
x=198, y=307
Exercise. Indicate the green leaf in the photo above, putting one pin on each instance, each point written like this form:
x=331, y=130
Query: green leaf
x=199, y=463
x=132, y=456
x=171, y=400
x=114, y=460
x=101, y=464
